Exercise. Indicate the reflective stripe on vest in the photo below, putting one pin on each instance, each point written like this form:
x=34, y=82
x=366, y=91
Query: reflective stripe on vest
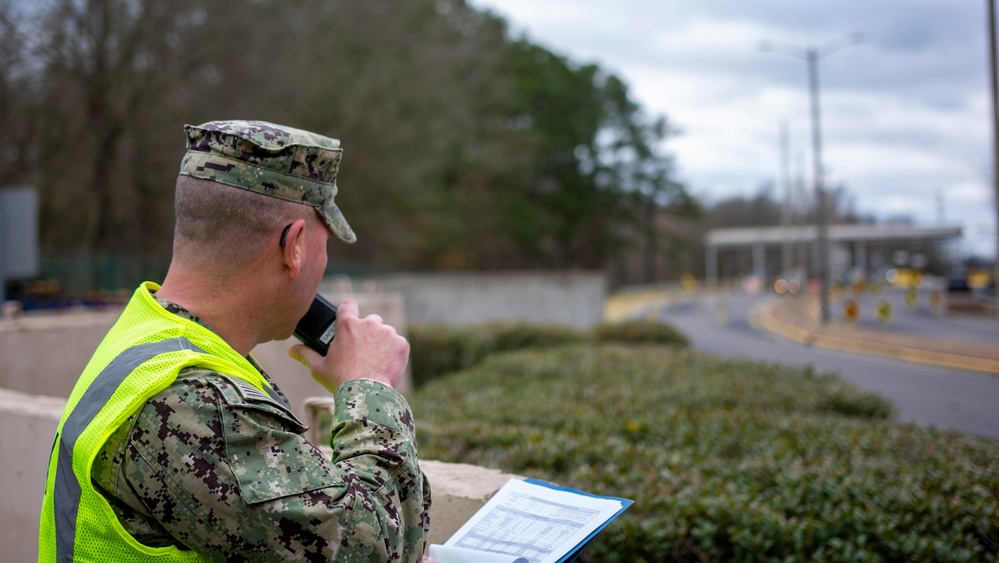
x=66, y=496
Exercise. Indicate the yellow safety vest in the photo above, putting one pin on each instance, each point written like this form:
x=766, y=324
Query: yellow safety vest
x=140, y=356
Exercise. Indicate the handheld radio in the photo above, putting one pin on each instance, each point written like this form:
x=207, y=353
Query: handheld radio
x=318, y=327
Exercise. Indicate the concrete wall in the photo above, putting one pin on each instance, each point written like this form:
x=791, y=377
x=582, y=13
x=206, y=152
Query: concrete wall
x=574, y=299
x=44, y=355
x=29, y=424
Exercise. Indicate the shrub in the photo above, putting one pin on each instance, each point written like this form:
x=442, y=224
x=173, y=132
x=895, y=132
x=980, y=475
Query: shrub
x=850, y=404
x=726, y=460
x=639, y=331
x=519, y=336
x=440, y=349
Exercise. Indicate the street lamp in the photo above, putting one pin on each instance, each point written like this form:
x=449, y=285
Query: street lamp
x=995, y=138
x=811, y=55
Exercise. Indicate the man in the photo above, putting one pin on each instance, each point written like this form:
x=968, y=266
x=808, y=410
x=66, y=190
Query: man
x=176, y=446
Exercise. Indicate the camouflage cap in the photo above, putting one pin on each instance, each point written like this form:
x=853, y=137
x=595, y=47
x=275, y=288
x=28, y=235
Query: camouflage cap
x=270, y=159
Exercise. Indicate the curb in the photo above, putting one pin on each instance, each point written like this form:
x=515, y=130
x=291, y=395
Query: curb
x=817, y=339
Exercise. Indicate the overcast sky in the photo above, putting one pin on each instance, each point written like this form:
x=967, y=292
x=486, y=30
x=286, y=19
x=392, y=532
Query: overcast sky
x=905, y=115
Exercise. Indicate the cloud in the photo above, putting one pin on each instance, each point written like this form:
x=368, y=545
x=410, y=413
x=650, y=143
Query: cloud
x=904, y=115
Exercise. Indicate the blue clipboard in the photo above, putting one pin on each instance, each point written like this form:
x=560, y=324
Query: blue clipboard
x=572, y=555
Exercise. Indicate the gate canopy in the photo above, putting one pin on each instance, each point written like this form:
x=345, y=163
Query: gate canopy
x=858, y=236
x=749, y=237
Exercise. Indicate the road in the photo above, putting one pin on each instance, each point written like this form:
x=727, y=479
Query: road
x=932, y=396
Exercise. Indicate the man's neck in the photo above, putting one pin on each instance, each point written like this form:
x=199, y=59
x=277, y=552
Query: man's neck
x=226, y=309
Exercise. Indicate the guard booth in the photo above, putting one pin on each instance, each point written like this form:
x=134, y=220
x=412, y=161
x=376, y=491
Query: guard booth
x=18, y=236
x=794, y=248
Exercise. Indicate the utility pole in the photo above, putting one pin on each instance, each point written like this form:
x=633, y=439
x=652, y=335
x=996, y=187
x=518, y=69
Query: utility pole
x=995, y=137
x=785, y=217
x=811, y=56
x=820, y=190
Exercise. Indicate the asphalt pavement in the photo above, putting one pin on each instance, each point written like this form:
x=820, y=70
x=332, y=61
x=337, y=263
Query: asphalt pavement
x=940, y=395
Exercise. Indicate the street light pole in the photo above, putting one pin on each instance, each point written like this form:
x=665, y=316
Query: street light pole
x=811, y=56
x=995, y=137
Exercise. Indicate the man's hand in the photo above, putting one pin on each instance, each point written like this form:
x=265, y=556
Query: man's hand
x=362, y=349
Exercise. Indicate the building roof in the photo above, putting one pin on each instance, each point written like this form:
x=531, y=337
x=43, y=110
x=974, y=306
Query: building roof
x=836, y=233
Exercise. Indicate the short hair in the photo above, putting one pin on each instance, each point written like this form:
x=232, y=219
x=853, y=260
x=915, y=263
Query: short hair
x=226, y=225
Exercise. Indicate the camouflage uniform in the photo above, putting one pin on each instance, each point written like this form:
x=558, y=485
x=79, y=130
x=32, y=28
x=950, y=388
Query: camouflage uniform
x=212, y=464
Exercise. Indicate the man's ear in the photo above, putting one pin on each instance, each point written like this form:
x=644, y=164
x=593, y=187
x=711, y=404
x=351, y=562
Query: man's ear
x=293, y=250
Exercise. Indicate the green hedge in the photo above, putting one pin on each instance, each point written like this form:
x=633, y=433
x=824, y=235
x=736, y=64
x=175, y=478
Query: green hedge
x=726, y=460
x=439, y=349
x=639, y=331
x=436, y=350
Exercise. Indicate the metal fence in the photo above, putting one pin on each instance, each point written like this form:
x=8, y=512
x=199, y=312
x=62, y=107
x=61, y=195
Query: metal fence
x=94, y=281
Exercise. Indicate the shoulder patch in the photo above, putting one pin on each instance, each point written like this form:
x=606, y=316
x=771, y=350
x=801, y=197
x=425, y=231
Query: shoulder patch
x=249, y=392
x=241, y=394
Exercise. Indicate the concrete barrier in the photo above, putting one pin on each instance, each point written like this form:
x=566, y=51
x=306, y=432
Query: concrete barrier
x=45, y=355
x=458, y=490
x=573, y=299
x=29, y=423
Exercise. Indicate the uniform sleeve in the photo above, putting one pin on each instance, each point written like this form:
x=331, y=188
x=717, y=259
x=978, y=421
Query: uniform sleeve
x=226, y=471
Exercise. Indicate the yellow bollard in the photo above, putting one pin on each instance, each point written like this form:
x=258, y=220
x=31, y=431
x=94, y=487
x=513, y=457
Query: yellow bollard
x=883, y=311
x=851, y=312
